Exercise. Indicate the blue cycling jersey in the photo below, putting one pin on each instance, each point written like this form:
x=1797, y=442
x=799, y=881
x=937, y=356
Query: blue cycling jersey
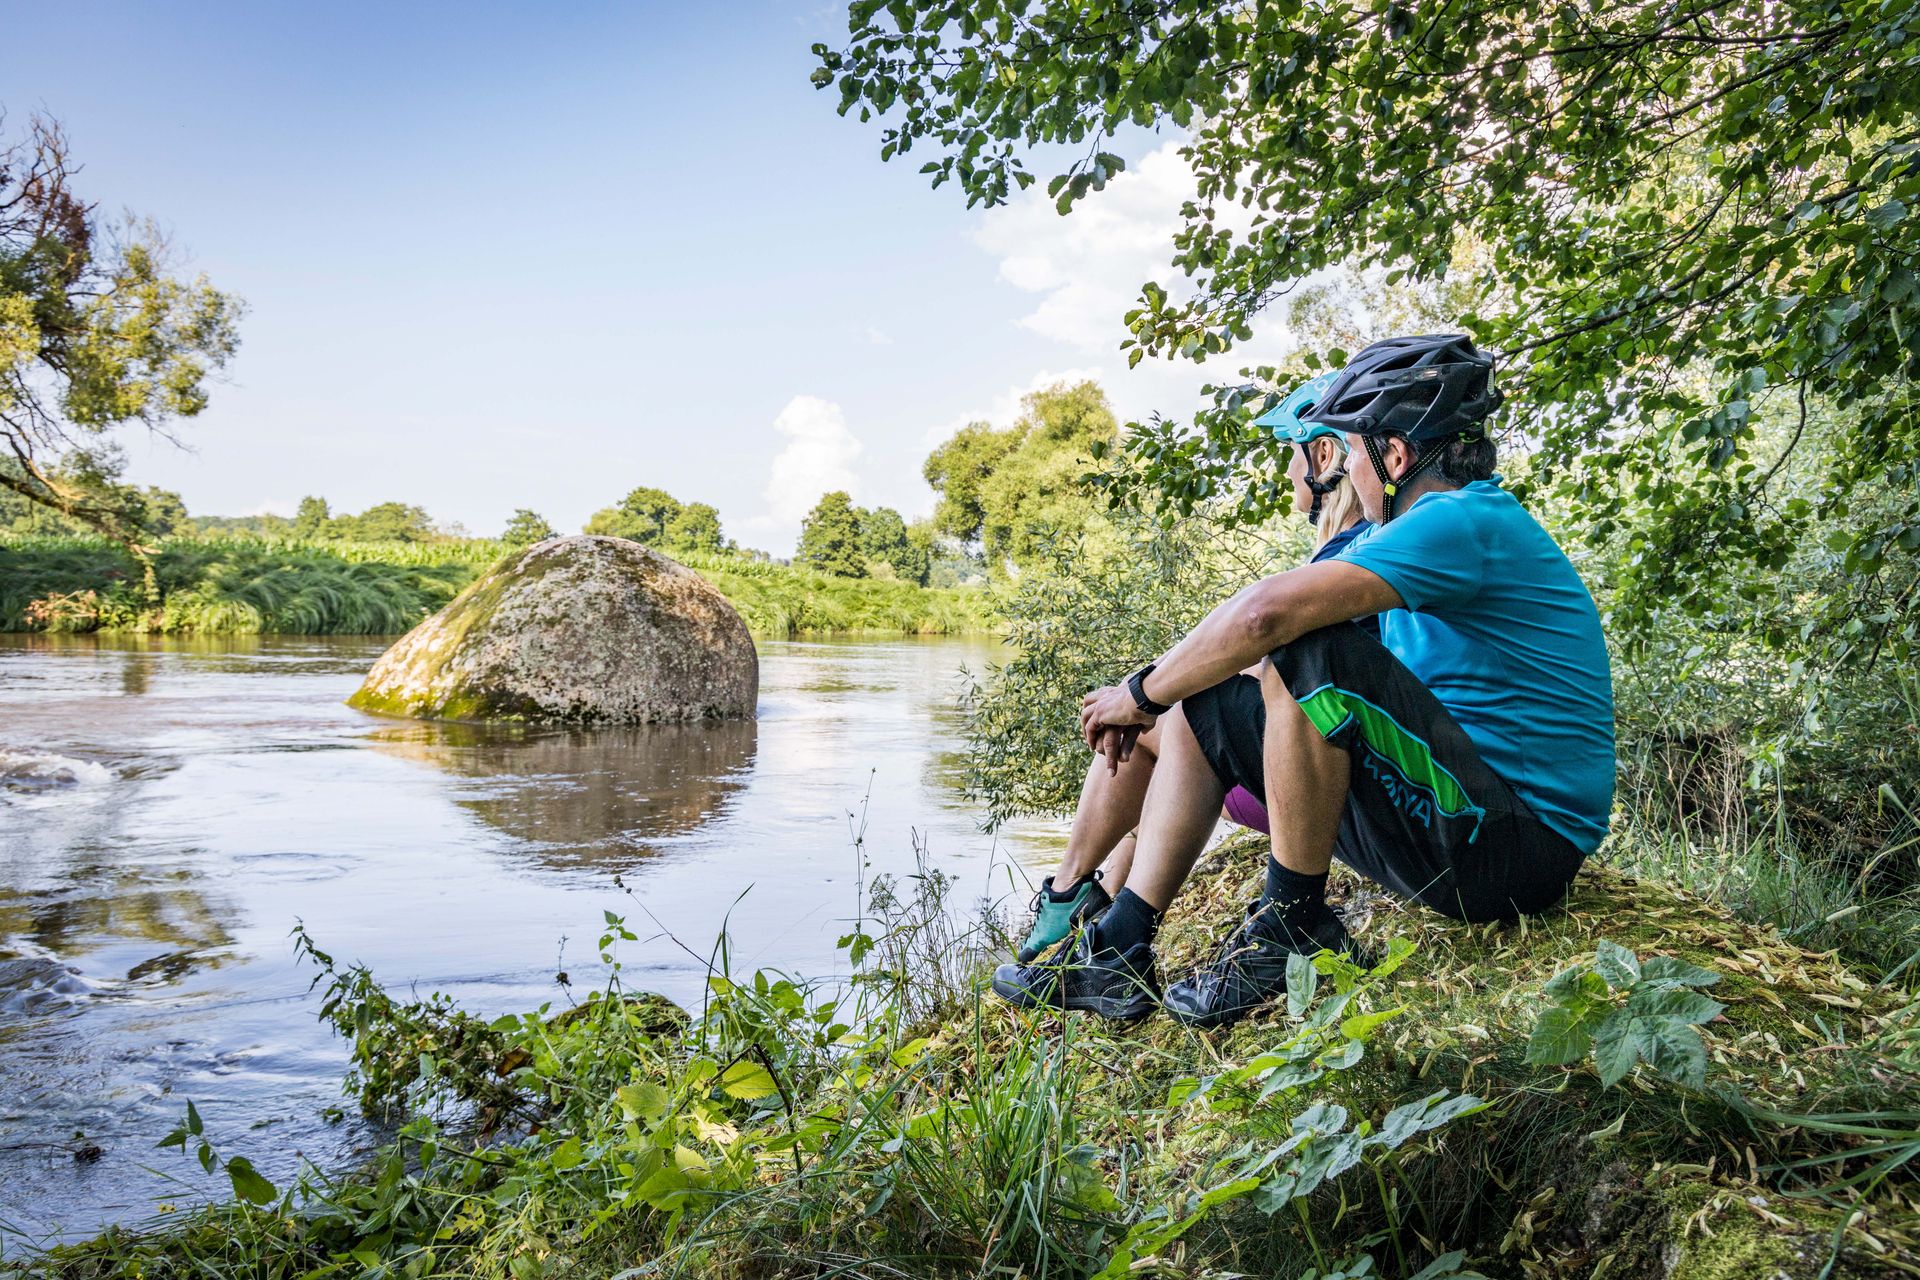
x=1501, y=629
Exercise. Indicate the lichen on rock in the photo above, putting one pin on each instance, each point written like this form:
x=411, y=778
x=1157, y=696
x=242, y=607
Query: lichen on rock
x=582, y=630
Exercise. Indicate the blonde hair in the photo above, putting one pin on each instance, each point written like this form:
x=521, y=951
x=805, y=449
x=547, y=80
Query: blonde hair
x=1338, y=508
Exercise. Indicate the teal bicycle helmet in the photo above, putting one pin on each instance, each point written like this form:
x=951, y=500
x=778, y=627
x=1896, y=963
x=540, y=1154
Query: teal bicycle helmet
x=1285, y=422
x=1284, y=418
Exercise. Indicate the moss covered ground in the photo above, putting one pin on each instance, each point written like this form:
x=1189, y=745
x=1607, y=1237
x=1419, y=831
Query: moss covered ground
x=906, y=1125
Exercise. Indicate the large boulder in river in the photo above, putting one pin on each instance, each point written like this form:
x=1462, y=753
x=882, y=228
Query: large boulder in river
x=577, y=630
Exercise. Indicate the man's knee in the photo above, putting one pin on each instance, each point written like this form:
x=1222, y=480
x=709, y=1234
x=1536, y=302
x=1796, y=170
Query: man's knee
x=1312, y=655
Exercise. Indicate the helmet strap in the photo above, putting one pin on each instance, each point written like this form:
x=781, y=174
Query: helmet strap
x=1389, y=487
x=1318, y=487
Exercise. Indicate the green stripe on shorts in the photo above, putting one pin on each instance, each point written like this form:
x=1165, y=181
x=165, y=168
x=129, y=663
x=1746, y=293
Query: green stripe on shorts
x=1330, y=707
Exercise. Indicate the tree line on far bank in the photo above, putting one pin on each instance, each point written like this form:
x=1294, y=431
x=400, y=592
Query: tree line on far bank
x=1003, y=494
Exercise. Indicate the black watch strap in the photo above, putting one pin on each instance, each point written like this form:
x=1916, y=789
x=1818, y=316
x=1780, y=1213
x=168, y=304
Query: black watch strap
x=1137, y=686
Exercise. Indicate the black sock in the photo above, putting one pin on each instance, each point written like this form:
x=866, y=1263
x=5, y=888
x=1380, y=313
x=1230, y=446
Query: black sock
x=1061, y=895
x=1130, y=921
x=1299, y=900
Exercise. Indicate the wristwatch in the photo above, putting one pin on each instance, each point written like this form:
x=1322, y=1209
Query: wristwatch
x=1137, y=686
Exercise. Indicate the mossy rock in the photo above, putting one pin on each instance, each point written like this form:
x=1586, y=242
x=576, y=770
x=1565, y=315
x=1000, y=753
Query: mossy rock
x=583, y=630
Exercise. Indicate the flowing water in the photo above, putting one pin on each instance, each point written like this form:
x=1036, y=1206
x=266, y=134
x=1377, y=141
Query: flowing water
x=170, y=809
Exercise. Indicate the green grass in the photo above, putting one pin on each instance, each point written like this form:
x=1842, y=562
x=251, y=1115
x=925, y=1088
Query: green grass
x=290, y=586
x=905, y=1125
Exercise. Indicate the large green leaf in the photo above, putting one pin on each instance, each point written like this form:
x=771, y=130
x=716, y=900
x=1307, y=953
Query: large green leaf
x=1562, y=1035
x=1430, y=1112
x=643, y=1100
x=247, y=1183
x=1676, y=1003
x=1617, y=965
x=748, y=1081
x=1675, y=1050
x=1616, y=1046
x=1303, y=980
x=1669, y=969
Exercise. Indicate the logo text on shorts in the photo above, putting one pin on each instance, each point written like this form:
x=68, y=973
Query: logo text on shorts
x=1415, y=802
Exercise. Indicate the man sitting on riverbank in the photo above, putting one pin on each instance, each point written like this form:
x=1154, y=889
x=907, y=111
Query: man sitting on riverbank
x=1463, y=760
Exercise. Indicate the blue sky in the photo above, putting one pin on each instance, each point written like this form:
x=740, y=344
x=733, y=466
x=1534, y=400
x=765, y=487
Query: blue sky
x=505, y=255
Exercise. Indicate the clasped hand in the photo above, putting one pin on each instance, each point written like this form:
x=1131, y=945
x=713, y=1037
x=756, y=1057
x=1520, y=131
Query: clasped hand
x=1111, y=722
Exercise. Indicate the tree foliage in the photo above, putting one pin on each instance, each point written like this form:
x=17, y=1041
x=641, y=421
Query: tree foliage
x=1689, y=213
x=311, y=517
x=641, y=516
x=891, y=547
x=526, y=527
x=1011, y=490
x=655, y=518
x=96, y=333
x=384, y=522
x=830, y=537
x=153, y=511
x=959, y=470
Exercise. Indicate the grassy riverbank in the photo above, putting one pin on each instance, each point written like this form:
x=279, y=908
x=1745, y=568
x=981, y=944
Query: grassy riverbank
x=290, y=586
x=910, y=1127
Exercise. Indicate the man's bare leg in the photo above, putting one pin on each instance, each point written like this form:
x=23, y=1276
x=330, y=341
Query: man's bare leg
x=1306, y=779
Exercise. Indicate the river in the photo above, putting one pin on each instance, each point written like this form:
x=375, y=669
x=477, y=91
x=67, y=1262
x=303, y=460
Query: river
x=169, y=809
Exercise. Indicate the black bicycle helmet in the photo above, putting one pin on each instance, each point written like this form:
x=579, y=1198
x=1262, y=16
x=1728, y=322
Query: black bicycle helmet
x=1428, y=390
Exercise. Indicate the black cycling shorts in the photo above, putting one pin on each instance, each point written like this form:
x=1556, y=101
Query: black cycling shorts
x=1425, y=816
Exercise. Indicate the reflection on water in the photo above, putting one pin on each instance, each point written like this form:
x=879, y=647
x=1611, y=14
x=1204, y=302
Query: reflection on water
x=170, y=809
x=581, y=796
x=119, y=908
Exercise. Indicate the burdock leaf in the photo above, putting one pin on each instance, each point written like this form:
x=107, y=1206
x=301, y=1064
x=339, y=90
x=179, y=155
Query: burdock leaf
x=1616, y=964
x=1667, y=969
x=1676, y=1051
x=1678, y=1003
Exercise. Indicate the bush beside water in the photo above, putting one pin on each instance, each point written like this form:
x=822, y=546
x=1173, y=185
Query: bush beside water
x=291, y=586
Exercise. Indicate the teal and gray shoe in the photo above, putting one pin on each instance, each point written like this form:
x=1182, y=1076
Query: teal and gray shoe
x=1054, y=920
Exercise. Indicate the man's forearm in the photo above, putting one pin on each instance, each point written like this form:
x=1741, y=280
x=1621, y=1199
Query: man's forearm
x=1226, y=641
x=1262, y=617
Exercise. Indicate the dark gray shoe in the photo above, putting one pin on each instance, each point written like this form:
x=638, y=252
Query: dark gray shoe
x=1251, y=967
x=1074, y=975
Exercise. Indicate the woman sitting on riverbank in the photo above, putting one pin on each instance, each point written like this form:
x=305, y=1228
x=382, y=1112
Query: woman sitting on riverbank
x=1100, y=847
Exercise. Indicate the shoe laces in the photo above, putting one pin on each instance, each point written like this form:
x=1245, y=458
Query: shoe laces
x=1246, y=937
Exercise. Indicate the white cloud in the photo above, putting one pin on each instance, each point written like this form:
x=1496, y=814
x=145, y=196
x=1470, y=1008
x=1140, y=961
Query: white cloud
x=1088, y=267
x=878, y=338
x=817, y=459
x=1085, y=271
